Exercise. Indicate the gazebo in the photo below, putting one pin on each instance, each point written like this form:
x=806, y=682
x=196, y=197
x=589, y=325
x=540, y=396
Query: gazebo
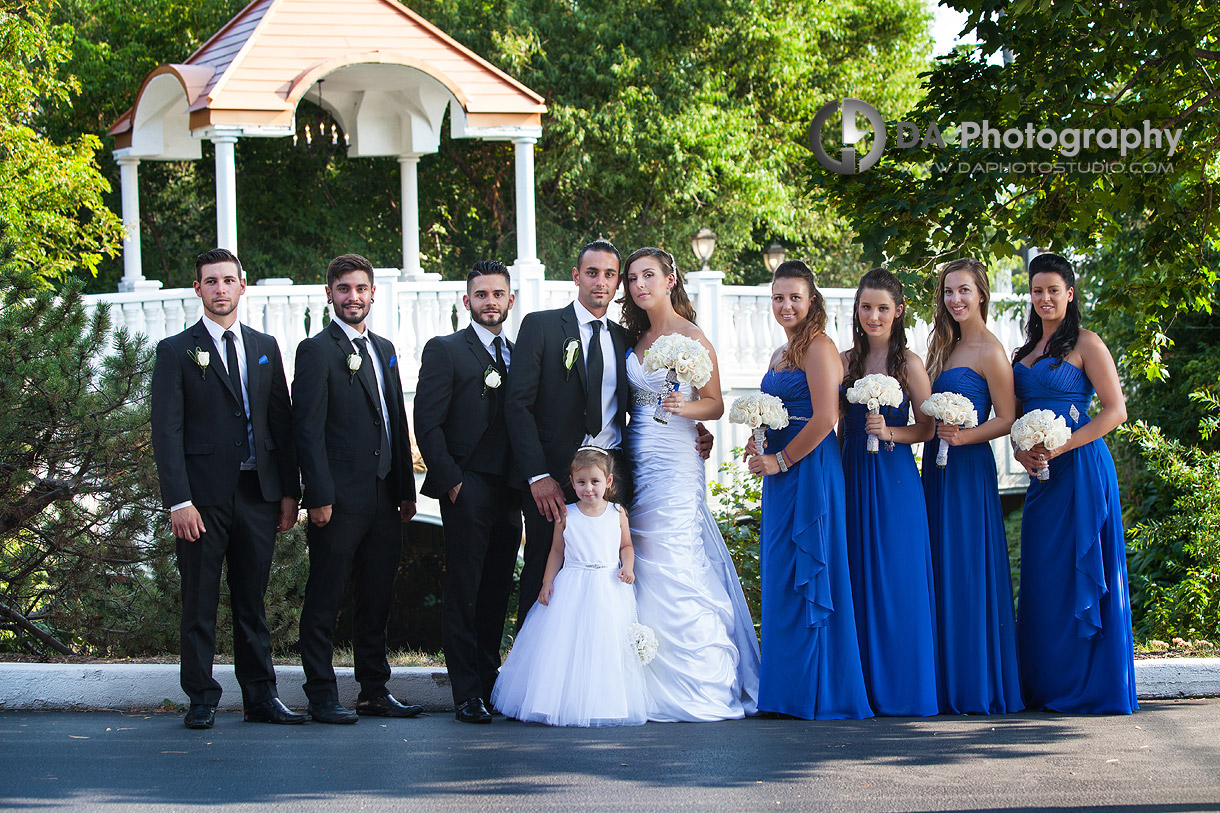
x=386, y=76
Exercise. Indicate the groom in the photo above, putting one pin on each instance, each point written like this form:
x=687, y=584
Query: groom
x=569, y=389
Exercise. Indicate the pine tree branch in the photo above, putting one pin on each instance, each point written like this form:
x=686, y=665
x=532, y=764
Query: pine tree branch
x=33, y=629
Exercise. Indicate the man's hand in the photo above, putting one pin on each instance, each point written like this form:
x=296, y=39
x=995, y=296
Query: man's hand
x=186, y=523
x=453, y=492
x=406, y=510
x=320, y=516
x=288, y=514
x=703, y=443
x=548, y=496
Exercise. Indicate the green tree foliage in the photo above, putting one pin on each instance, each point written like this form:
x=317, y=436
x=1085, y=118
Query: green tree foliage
x=738, y=513
x=52, y=213
x=1073, y=65
x=1188, y=539
x=661, y=118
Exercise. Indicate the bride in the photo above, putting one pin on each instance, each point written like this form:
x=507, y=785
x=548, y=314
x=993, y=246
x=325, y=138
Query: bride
x=687, y=590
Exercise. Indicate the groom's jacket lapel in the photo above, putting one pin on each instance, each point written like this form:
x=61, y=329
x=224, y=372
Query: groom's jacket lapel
x=571, y=330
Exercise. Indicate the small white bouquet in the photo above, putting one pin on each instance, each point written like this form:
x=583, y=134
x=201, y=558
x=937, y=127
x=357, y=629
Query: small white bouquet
x=951, y=408
x=760, y=412
x=875, y=391
x=685, y=362
x=643, y=641
x=1040, y=426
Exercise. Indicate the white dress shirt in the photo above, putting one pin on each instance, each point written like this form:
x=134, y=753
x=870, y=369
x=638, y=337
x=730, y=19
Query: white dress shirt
x=488, y=339
x=609, y=437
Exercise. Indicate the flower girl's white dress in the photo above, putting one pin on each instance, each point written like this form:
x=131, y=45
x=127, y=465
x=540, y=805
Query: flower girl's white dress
x=573, y=663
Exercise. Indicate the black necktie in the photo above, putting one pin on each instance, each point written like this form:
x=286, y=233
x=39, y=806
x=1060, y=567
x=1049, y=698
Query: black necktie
x=383, y=461
x=593, y=369
x=498, y=343
x=234, y=372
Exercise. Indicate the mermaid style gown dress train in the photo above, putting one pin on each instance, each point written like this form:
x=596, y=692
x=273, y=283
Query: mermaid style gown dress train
x=1074, y=620
x=707, y=662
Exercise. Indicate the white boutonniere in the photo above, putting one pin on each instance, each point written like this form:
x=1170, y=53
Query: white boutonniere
x=571, y=350
x=491, y=379
x=354, y=360
x=202, y=359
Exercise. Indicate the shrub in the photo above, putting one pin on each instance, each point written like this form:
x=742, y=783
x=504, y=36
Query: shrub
x=738, y=512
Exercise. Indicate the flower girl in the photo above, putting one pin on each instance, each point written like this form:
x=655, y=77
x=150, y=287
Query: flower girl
x=577, y=659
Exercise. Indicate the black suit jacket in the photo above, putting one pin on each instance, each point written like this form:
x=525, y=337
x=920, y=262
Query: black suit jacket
x=453, y=408
x=546, y=402
x=337, y=423
x=199, y=427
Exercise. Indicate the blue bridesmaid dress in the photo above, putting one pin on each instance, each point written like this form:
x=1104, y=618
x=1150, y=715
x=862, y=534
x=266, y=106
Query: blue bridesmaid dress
x=890, y=561
x=810, y=658
x=975, y=629
x=1074, y=626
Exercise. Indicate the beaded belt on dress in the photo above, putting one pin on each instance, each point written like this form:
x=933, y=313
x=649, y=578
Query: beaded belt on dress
x=798, y=418
x=644, y=397
x=587, y=565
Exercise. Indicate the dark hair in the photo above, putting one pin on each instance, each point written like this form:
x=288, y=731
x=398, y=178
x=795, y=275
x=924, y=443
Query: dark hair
x=216, y=255
x=945, y=329
x=599, y=245
x=878, y=279
x=1064, y=338
x=634, y=319
x=484, y=268
x=345, y=263
x=588, y=457
x=814, y=323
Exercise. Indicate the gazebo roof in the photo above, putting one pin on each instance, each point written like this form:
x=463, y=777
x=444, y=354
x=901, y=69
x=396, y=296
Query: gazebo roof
x=251, y=74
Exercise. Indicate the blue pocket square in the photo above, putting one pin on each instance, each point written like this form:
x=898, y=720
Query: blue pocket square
x=393, y=360
x=263, y=360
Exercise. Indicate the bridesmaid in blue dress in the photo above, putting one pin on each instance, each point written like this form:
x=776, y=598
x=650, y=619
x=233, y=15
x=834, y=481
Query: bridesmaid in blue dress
x=810, y=659
x=1074, y=620
x=975, y=629
x=888, y=551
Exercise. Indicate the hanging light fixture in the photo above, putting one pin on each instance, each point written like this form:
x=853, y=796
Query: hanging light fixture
x=773, y=256
x=703, y=243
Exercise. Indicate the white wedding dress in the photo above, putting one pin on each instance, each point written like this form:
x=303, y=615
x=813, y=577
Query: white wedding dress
x=687, y=589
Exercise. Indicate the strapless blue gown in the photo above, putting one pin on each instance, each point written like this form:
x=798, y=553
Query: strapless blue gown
x=810, y=658
x=1074, y=624
x=890, y=561
x=975, y=629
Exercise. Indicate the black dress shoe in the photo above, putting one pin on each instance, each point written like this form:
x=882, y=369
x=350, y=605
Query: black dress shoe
x=331, y=712
x=386, y=706
x=274, y=711
x=473, y=711
x=201, y=715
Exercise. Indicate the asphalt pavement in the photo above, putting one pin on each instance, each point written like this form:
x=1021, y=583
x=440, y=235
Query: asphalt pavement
x=1166, y=757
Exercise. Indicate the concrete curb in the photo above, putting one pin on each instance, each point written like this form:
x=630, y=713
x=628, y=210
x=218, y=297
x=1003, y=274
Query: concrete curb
x=66, y=686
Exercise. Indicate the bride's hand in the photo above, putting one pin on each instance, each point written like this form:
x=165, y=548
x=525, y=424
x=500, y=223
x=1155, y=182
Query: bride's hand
x=673, y=403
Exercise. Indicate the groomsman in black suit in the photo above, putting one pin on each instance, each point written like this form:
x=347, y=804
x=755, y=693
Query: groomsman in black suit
x=463, y=437
x=350, y=423
x=222, y=439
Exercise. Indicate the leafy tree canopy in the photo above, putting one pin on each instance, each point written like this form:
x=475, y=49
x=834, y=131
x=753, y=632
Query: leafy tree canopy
x=1073, y=65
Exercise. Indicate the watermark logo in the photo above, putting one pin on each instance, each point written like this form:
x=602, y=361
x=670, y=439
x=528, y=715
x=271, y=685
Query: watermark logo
x=851, y=134
x=1067, y=142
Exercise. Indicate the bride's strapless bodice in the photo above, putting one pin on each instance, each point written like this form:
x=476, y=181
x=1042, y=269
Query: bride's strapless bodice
x=647, y=389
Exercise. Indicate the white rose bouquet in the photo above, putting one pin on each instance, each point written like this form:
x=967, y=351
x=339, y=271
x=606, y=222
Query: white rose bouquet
x=951, y=408
x=1040, y=426
x=875, y=391
x=760, y=412
x=686, y=362
x=643, y=641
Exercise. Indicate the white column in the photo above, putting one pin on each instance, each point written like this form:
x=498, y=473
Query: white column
x=527, y=232
x=707, y=289
x=411, y=268
x=133, y=276
x=226, y=192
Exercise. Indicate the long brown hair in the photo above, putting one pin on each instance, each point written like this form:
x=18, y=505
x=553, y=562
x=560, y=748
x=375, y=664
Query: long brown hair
x=878, y=279
x=945, y=329
x=634, y=319
x=815, y=321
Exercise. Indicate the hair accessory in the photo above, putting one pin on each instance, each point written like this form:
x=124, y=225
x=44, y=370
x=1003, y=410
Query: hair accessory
x=592, y=449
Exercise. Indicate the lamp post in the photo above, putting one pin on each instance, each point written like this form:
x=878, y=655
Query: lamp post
x=703, y=244
x=773, y=255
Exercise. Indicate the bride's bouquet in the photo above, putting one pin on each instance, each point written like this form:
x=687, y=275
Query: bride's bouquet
x=1040, y=426
x=760, y=412
x=875, y=391
x=952, y=408
x=685, y=362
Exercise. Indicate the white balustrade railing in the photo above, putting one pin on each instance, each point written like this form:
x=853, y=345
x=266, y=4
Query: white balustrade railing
x=737, y=318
